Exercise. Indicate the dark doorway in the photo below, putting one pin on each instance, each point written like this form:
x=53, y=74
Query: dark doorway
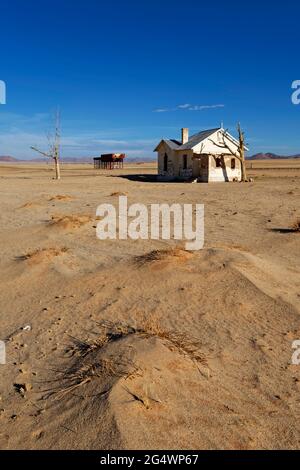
x=166, y=162
x=185, y=162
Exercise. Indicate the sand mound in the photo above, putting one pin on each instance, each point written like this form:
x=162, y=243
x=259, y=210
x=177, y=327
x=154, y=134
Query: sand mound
x=121, y=390
x=58, y=197
x=296, y=226
x=144, y=387
x=61, y=197
x=42, y=255
x=162, y=386
x=161, y=258
x=70, y=222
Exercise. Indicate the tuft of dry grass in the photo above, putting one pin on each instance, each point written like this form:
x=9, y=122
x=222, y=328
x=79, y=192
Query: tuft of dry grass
x=30, y=204
x=70, y=221
x=148, y=327
x=183, y=343
x=88, y=366
x=61, y=197
x=42, y=254
x=118, y=193
x=168, y=254
x=109, y=332
x=82, y=374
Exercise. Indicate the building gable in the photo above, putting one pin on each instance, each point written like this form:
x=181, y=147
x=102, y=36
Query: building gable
x=170, y=143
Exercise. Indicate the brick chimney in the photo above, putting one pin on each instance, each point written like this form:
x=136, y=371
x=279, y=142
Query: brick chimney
x=184, y=135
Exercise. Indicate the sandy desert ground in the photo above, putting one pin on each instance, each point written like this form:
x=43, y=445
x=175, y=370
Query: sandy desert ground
x=139, y=344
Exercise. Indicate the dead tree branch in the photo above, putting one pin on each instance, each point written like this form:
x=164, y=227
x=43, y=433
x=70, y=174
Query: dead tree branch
x=54, y=151
x=240, y=154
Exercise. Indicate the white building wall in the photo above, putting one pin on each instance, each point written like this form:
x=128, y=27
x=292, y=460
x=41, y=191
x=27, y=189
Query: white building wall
x=194, y=170
x=208, y=146
x=172, y=170
x=181, y=172
x=224, y=173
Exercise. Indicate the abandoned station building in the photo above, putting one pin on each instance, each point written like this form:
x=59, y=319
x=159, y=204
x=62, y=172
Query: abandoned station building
x=207, y=156
x=109, y=161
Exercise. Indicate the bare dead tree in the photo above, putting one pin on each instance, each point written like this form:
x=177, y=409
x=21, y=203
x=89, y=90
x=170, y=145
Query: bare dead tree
x=54, y=146
x=240, y=154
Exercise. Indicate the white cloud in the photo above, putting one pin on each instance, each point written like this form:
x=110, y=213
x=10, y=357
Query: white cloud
x=184, y=106
x=19, y=132
x=8, y=120
x=17, y=143
x=189, y=107
x=161, y=110
x=202, y=107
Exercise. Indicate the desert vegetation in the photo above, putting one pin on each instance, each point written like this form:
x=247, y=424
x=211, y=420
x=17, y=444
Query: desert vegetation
x=118, y=343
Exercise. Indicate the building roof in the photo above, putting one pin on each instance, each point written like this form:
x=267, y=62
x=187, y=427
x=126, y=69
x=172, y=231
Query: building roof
x=172, y=143
x=197, y=138
x=192, y=142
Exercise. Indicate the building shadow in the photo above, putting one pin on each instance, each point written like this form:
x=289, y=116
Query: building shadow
x=284, y=230
x=142, y=178
x=150, y=179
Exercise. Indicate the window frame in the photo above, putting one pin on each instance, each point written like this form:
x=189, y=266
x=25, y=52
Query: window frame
x=218, y=162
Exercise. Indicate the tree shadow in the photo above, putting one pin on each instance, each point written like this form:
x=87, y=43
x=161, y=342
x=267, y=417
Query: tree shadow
x=224, y=170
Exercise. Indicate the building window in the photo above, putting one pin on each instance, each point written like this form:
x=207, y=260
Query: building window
x=185, y=162
x=233, y=163
x=218, y=163
x=166, y=162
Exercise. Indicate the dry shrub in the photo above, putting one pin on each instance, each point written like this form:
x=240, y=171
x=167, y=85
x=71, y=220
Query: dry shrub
x=118, y=193
x=61, y=197
x=109, y=332
x=70, y=221
x=42, y=254
x=80, y=375
x=169, y=254
x=146, y=327
x=185, y=344
x=28, y=205
x=89, y=364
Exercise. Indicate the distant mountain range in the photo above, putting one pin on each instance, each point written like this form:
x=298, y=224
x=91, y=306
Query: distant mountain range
x=257, y=156
x=270, y=156
x=8, y=159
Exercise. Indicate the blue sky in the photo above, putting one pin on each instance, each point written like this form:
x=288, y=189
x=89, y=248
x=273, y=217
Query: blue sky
x=126, y=73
